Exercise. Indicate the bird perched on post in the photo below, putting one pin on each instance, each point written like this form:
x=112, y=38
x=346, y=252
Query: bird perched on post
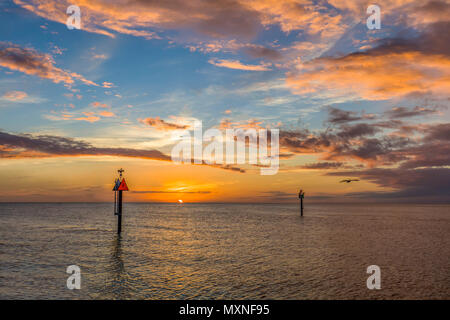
x=349, y=180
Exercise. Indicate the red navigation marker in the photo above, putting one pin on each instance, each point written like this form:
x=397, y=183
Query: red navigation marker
x=123, y=186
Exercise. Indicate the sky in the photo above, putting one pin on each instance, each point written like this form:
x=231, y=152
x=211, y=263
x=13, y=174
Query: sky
x=349, y=102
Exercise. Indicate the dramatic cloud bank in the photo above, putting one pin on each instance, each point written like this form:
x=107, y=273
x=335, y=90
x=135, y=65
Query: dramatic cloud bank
x=13, y=146
x=32, y=62
x=413, y=159
x=41, y=146
x=394, y=67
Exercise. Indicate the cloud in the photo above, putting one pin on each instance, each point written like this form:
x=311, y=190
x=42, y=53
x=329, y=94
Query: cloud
x=277, y=196
x=64, y=115
x=235, y=64
x=312, y=17
x=97, y=104
x=377, y=143
x=317, y=22
x=357, y=130
x=261, y=52
x=434, y=154
x=106, y=84
x=346, y=143
x=255, y=51
x=439, y=132
x=16, y=146
x=58, y=50
x=415, y=185
x=89, y=117
x=420, y=64
x=15, y=95
x=433, y=151
x=159, y=124
x=107, y=114
x=338, y=116
x=99, y=56
x=140, y=18
x=403, y=112
x=322, y=165
x=26, y=145
x=226, y=167
x=365, y=76
x=32, y=62
x=429, y=12
x=304, y=141
x=247, y=124
x=418, y=162
x=216, y=19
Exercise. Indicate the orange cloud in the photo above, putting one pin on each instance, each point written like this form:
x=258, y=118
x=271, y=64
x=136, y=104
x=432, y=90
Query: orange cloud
x=374, y=77
x=136, y=17
x=97, y=104
x=159, y=124
x=15, y=95
x=219, y=19
x=249, y=124
x=107, y=114
x=106, y=84
x=99, y=56
x=235, y=64
x=31, y=62
x=299, y=15
x=89, y=117
x=323, y=22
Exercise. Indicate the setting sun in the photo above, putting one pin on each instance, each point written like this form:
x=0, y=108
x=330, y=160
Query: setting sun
x=180, y=201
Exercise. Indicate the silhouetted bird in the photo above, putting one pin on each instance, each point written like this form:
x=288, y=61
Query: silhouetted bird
x=349, y=180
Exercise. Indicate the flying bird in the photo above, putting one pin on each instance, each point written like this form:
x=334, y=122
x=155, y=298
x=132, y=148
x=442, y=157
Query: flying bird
x=349, y=180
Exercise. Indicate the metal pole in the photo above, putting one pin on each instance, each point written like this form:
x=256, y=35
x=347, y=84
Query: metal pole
x=119, y=213
x=115, y=202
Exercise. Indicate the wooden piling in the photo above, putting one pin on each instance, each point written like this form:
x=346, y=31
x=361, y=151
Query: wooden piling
x=301, y=195
x=301, y=206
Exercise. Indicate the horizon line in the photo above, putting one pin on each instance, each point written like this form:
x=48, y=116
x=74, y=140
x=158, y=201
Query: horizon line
x=232, y=202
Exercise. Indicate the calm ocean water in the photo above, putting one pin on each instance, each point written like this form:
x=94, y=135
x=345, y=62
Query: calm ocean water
x=224, y=251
